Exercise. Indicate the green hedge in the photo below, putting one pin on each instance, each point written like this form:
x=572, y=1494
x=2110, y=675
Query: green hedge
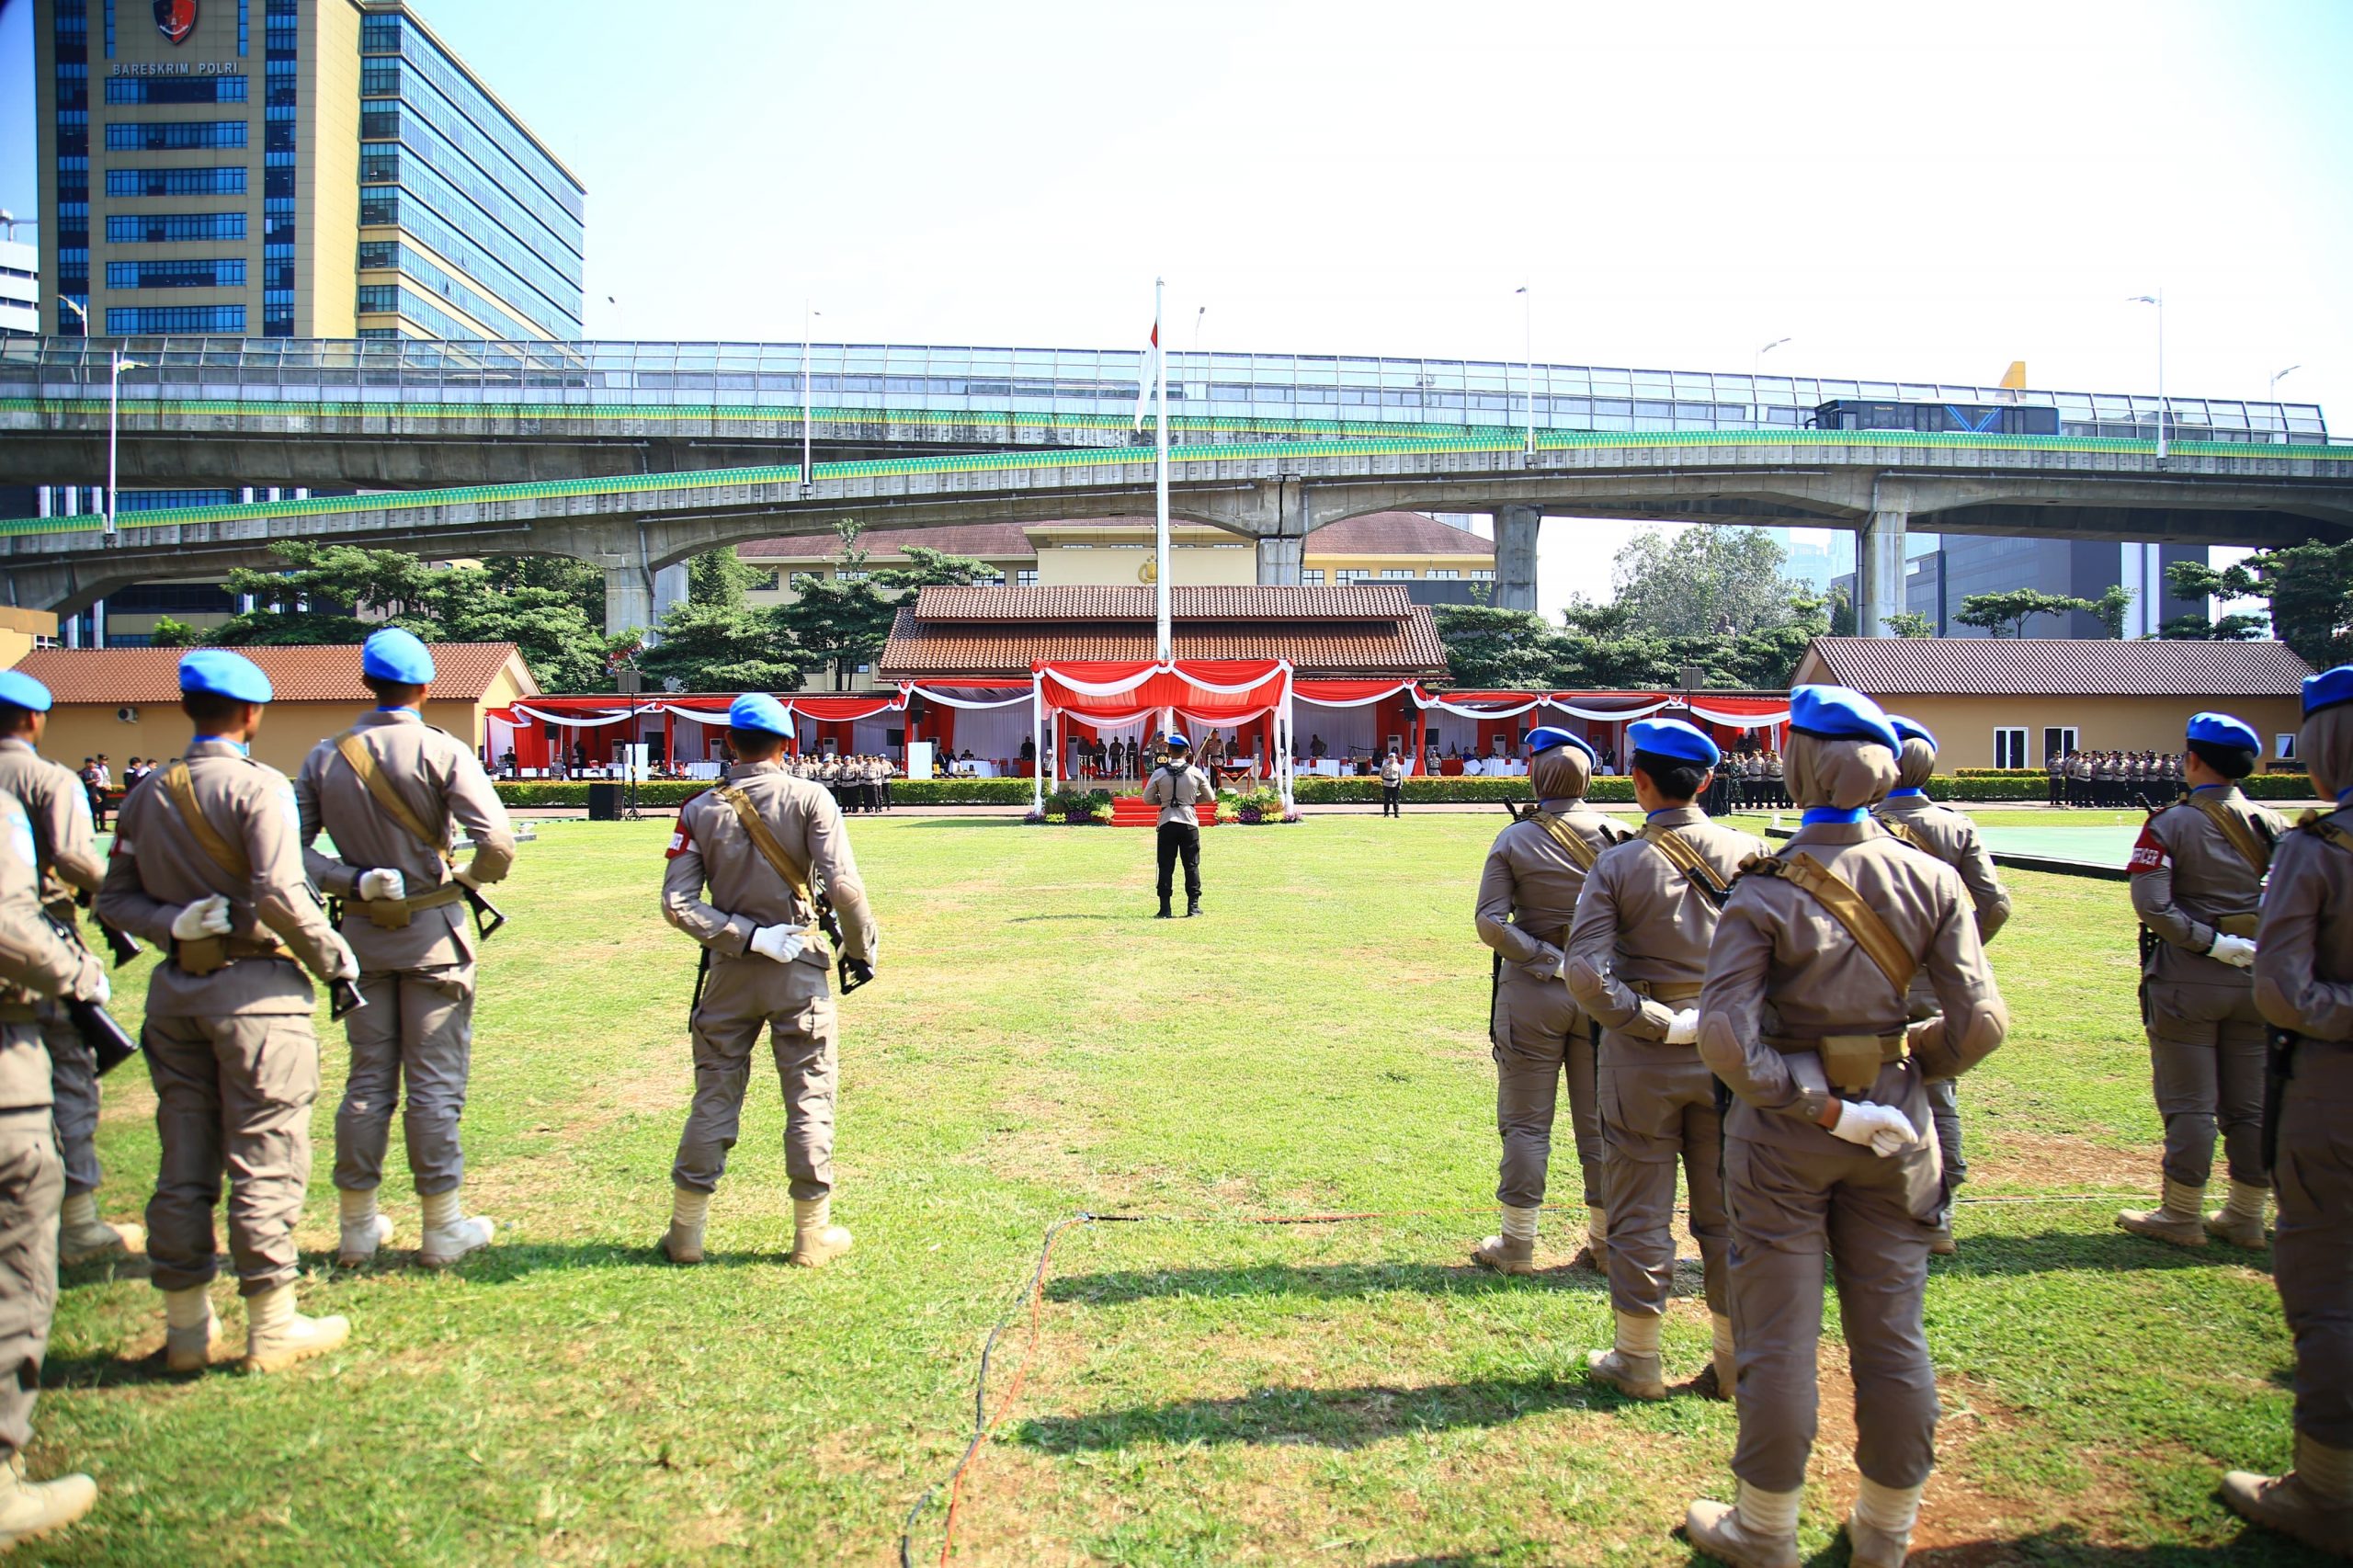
x=1317, y=791
x=1987, y=785
x=667, y=792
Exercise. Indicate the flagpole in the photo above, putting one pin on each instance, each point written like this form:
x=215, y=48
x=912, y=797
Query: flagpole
x=1160, y=426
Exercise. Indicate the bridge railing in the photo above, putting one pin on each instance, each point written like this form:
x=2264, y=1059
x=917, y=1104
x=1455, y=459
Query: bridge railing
x=1310, y=394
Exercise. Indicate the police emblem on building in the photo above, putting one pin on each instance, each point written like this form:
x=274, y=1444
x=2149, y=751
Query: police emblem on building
x=175, y=19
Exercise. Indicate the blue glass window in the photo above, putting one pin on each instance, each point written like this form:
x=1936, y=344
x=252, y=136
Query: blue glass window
x=230, y=181
x=226, y=272
x=133, y=320
x=174, y=135
x=164, y=228
x=245, y=24
x=175, y=89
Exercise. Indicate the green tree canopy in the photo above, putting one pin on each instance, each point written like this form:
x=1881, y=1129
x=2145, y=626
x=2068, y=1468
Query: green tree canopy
x=1911, y=623
x=844, y=619
x=1705, y=582
x=2014, y=608
x=2308, y=587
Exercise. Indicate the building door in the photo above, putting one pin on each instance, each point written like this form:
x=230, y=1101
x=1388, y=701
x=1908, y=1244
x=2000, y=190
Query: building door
x=2058, y=740
x=2010, y=747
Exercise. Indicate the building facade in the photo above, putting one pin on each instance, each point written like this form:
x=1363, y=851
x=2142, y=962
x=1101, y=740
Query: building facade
x=1954, y=566
x=290, y=168
x=19, y=289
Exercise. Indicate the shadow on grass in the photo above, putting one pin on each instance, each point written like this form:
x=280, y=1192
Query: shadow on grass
x=1327, y=1418
x=1321, y=1280
x=506, y=1261
x=2066, y=1544
x=2110, y=1252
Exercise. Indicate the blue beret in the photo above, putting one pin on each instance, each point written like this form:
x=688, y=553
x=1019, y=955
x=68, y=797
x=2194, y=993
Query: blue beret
x=1673, y=738
x=2328, y=688
x=395, y=654
x=1175, y=742
x=1837, y=713
x=218, y=672
x=19, y=690
x=759, y=711
x=1911, y=730
x=1545, y=738
x=2221, y=730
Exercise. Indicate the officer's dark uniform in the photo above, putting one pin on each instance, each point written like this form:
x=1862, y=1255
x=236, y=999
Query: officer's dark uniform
x=1178, y=789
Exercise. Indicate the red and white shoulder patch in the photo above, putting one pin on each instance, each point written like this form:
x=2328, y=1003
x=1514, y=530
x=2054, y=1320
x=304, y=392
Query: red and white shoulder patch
x=682, y=839
x=2149, y=853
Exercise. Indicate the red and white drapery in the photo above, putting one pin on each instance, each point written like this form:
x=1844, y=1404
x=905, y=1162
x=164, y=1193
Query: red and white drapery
x=1219, y=692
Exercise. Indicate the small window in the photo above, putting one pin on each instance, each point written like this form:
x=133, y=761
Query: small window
x=2058, y=740
x=2010, y=747
x=1312, y=577
x=2285, y=747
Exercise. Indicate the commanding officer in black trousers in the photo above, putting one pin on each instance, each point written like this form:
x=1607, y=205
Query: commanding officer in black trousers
x=2303, y=984
x=1177, y=788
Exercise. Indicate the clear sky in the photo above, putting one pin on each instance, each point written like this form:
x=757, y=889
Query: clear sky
x=1900, y=190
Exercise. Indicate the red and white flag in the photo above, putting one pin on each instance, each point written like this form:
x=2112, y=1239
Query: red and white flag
x=1147, y=374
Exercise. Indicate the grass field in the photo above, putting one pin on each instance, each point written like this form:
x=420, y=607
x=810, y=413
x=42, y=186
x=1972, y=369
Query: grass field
x=1204, y=1390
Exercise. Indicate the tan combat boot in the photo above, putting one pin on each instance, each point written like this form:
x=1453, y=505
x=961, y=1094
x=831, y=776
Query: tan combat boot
x=2313, y=1503
x=1632, y=1365
x=1761, y=1531
x=191, y=1329
x=1878, y=1530
x=2240, y=1219
x=1872, y=1547
x=277, y=1335
x=2180, y=1219
x=30, y=1508
x=83, y=1237
x=1721, y=1377
x=682, y=1243
x=449, y=1234
x=1504, y=1255
x=1595, y=1254
x=816, y=1240
x=362, y=1228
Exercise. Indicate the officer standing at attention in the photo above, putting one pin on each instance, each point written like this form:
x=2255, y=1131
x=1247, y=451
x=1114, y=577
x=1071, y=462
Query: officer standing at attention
x=1636, y=955
x=58, y=809
x=1951, y=837
x=767, y=845
x=2303, y=983
x=1527, y=897
x=1177, y=788
x=387, y=792
x=206, y=864
x=2197, y=875
x=1803, y=1016
x=1392, y=784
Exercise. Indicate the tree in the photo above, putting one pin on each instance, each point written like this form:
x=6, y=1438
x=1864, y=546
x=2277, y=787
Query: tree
x=170, y=633
x=721, y=647
x=1487, y=648
x=1705, y=582
x=579, y=581
x=2014, y=608
x=846, y=618
x=1909, y=623
x=2196, y=627
x=720, y=577
x=1842, y=614
x=2308, y=587
x=2110, y=606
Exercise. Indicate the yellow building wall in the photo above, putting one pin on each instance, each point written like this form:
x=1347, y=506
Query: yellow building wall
x=326, y=226
x=289, y=730
x=22, y=631
x=1964, y=726
x=1196, y=558
x=1466, y=567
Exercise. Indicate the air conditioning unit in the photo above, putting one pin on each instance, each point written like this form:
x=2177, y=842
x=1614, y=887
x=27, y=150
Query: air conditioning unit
x=127, y=715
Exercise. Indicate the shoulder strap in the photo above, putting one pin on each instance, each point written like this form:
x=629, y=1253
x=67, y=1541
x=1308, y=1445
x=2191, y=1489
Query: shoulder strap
x=763, y=840
x=1907, y=834
x=227, y=854
x=1686, y=859
x=1579, y=850
x=2327, y=828
x=2238, y=829
x=1861, y=921
x=354, y=752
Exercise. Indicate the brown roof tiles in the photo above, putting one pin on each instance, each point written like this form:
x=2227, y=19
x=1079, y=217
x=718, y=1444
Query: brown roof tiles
x=2007, y=666
x=1366, y=601
x=319, y=673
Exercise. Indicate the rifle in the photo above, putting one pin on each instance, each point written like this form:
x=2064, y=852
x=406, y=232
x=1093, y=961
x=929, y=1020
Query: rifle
x=848, y=973
x=488, y=916
x=109, y=1042
x=119, y=942
x=702, y=977
x=2278, y=1066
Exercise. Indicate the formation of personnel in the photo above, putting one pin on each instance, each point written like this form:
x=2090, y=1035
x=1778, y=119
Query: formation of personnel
x=2114, y=780
x=1753, y=781
x=856, y=783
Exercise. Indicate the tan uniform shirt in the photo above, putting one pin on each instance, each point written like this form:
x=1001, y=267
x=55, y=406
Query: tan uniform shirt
x=2187, y=879
x=2304, y=957
x=1783, y=967
x=1953, y=837
x=1177, y=791
x=32, y=956
x=1640, y=919
x=158, y=867
x=58, y=809
x=1528, y=891
x=710, y=848
x=436, y=775
x=1393, y=770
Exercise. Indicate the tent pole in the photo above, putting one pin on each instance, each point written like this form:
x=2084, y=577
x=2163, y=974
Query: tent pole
x=1037, y=774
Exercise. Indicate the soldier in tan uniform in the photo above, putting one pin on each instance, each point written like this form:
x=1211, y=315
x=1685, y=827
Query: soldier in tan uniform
x=208, y=865
x=1803, y=1018
x=2303, y=983
x=1951, y=837
x=1178, y=789
x=1636, y=955
x=2197, y=884
x=765, y=843
x=387, y=793
x=58, y=809
x=37, y=966
x=1527, y=897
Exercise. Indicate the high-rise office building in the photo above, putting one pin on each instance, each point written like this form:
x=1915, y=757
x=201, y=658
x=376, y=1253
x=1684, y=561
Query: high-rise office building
x=291, y=169
x=19, y=287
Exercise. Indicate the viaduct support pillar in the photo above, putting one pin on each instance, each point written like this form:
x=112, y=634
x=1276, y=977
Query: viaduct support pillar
x=1878, y=574
x=1279, y=561
x=1282, y=549
x=629, y=600
x=669, y=588
x=1515, y=558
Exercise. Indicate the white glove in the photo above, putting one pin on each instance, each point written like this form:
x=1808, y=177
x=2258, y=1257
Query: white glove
x=381, y=885
x=91, y=985
x=1883, y=1128
x=2237, y=951
x=205, y=917
x=342, y=963
x=782, y=943
x=1684, y=1027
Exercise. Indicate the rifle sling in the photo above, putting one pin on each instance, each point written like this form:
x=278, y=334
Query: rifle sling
x=1907, y=834
x=354, y=752
x=1577, y=850
x=763, y=840
x=1686, y=859
x=2329, y=831
x=1846, y=906
x=225, y=853
x=2242, y=835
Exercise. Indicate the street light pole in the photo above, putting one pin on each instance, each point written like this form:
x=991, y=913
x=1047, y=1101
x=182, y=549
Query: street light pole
x=117, y=366
x=2276, y=378
x=1757, y=393
x=1528, y=330
x=2158, y=300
